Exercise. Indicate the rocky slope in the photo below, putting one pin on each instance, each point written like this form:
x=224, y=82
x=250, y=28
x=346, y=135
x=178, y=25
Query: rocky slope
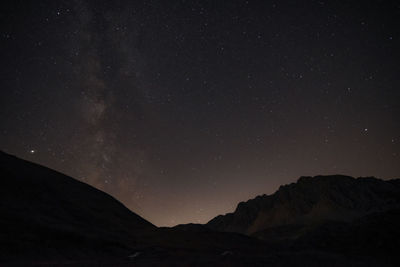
x=297, y=207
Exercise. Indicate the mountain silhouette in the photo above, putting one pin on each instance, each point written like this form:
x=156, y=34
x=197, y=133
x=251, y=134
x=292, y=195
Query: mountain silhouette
x=45, y=212
x=298, y=208
x=48, y=218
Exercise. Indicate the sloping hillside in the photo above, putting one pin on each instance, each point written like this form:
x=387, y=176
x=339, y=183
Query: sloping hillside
x=44, y=212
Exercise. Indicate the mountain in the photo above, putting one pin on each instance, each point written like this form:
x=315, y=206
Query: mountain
x=344, y=220
x=50, y=219
x=298, y=207
x=45, y=213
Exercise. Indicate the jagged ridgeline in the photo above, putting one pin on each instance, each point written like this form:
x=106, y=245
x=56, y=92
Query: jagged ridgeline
x=50, y=218
x=311, y=200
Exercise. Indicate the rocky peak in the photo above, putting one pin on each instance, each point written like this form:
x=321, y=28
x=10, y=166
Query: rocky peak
x=311, y=200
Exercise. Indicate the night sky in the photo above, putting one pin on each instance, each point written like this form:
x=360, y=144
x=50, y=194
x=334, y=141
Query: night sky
x=181, y=109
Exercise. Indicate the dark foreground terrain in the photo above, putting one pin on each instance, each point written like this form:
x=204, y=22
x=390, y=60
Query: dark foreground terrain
x=49, y=219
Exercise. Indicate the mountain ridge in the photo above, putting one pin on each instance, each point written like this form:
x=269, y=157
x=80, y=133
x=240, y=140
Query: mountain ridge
x=48, y=218
x=311, y=200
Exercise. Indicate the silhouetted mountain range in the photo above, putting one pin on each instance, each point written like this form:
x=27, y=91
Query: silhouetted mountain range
x=352, y=217
x=311, y=201
x=48, y=218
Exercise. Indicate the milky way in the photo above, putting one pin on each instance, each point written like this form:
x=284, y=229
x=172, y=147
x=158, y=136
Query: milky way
x=181, y=109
